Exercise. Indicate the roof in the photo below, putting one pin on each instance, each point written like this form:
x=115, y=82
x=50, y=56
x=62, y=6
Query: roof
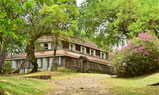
x=73, y=40
x=59, y=53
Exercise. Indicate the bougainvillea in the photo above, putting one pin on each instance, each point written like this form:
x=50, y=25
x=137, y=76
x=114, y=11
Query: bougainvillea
x=140, y=56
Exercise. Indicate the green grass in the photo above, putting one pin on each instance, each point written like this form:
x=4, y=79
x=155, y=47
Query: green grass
x=133, y=86
x=17, y=85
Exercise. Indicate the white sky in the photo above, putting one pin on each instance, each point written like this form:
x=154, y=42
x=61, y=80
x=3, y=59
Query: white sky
x=79, y=2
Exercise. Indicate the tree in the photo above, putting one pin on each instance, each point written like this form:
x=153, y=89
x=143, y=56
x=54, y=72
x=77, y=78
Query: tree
x=110, y=22
x=62, y=18
x=10, y=29
x=34, y=30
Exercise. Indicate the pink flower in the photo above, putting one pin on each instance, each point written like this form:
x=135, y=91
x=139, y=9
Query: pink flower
x=131, y=53
x=111, y=57
x=136, y=46
x=135, y=50
x=142, y=47
x=143, y=35
x=128, y=46
x=116, y=48
x=146, y=53
x=147, y=39
x=150, y=36
x=141, y=50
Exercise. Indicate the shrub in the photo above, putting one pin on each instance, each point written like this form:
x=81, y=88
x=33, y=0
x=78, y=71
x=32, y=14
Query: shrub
x=8, y=67
x=63, y=69
x=140, y=56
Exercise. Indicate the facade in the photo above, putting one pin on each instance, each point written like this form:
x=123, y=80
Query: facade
x=67, y=55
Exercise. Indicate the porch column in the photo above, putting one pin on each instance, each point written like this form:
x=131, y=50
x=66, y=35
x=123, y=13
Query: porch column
x=14, y=65
x=50, y=62
x=60, y=61
x=44, y=63
x=39, y=62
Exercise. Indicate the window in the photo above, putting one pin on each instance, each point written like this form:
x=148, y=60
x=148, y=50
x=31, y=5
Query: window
x=46, y=46
x=71, y=47
x=102, y=55
x=91, y=52
x=83, y=50
x=18, y=63
x=87, y=50
x=78, y=48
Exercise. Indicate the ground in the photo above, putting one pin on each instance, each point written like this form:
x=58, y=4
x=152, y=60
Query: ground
x=68, y=83
x=83, y=85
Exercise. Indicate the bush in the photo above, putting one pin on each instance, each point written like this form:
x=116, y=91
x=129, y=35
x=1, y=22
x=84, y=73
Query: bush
x=140, y=56
x=8, y=67
x=63, y=69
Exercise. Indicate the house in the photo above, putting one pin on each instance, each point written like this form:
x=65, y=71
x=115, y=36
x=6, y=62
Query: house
x=67, y=55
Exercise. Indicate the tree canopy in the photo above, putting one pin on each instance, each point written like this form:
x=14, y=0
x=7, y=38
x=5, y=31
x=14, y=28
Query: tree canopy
x=109, y=22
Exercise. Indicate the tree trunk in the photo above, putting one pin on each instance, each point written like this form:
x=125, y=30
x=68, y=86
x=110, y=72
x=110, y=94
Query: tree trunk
x=54, y=65
x=3, y=55
x=32, y=59
x=29, y=58
x=22, y=65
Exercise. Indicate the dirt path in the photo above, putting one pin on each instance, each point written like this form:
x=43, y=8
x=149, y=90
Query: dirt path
x=83, y=85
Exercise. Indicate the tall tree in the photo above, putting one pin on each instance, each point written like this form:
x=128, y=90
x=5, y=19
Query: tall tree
x=34, y=30
x=62, y=18
x=10, y=27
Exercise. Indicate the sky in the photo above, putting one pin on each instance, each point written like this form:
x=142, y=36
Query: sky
x=79, y=2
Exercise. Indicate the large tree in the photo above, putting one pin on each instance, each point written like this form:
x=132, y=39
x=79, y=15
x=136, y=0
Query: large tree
x=47, y=17
x=10, y=27
x=62, y=18
x=109, y=22
x=34, y=29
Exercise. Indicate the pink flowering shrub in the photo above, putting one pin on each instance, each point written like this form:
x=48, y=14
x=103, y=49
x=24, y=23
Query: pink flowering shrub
x=140, y=56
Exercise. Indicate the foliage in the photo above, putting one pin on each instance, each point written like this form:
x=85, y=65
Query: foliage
x=8, y=67
x=11, y=22
x=61, y=17
x=110, y=22
x=139, y=57
x=63, y=69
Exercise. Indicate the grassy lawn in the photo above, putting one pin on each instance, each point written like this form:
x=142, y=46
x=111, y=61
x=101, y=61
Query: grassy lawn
x=24, y=86
x=133, y=86
x=18, y=85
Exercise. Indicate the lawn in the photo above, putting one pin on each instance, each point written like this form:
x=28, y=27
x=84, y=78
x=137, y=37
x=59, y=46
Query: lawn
x=24, y=86
x=18, y=85
x=133, y=86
